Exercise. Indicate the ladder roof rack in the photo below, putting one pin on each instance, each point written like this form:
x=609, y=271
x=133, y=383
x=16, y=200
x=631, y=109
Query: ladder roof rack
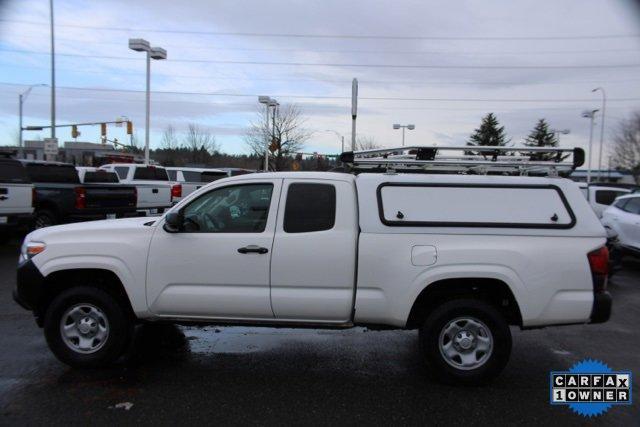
x=482, y=160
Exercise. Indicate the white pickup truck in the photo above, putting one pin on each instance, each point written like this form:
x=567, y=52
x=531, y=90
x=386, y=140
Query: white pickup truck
x=461, y=258
x=600, y=195
x=155, y=192
x=192, y=179
x=16, y=197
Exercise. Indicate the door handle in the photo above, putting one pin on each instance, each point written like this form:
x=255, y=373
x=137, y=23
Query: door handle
x=253, y=249
x=154, y=191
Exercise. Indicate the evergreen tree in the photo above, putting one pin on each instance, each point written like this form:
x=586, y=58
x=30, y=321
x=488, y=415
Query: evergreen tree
x=490, y=133
x=541, y=136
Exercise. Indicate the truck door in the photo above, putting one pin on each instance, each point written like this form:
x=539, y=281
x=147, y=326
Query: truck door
x=314, y=251
x=217, y=266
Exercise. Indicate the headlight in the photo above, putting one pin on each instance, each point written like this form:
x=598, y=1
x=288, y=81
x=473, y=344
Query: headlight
x=31, y=249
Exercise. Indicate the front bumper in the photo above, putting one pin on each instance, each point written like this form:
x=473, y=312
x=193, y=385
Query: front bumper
x=29, y=290
x=601, y=311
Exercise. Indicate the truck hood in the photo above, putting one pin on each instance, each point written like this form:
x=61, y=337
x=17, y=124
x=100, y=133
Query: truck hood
x=93, y=228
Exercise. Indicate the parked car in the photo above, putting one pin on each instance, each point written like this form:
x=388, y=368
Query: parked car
x=155, y=192
x=194, y=178
x=96, y=175
x=600, y=196
x=458, y=257
x=623, y=216
x=16, y=197
x=60, y=197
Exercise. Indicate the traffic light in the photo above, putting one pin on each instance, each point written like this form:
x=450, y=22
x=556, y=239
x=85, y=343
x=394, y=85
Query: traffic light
x=103, y=129
x=129, y=127
x=74, y=132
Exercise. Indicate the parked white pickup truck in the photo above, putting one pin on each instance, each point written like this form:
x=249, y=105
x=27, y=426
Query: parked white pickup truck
x=16, y=197
x=600, y=196
x=458, y=257
x=192, y=179
x=155, y=192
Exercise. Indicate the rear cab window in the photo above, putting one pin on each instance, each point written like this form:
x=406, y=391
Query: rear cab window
x=474, y=205
x=12, y=172
x=101, y=176
x=210, y=176
x=309, y=208
x=150, y=173
x=41, y=172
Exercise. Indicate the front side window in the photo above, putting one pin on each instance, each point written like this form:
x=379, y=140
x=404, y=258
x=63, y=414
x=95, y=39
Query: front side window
x=310, y=207
x=234, y=209
x=633, y=205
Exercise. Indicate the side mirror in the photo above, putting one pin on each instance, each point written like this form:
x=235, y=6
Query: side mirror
x=173, y=222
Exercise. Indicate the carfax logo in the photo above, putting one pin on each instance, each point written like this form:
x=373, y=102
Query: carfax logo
x=590, y=388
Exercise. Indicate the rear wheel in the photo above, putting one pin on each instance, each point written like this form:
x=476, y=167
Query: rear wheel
x=44, y=218
x=87, y=327
x=465, y=341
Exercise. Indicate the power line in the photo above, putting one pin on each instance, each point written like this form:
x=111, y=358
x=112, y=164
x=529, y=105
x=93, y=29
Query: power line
x=326, y=80
x=329, y=97
x=328, y=36
x=360, y=51
x=330, y=64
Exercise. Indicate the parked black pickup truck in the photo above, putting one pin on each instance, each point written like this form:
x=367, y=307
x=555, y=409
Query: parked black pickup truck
x=60, y=197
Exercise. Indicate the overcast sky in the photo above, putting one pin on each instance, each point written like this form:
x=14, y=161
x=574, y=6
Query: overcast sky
x=438, y=65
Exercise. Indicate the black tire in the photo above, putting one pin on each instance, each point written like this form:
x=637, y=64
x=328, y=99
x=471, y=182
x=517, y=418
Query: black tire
x=442, y=316
x=120, y=327
x=44, y=218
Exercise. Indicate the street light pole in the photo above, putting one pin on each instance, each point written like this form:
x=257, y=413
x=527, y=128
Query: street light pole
x=268, y=102
x=604, y=105
x=141, y=45
x=557, y=133
x=590, y=115
x=147, y=117
x=53, y=75
x=21, y=98
x=403, y=127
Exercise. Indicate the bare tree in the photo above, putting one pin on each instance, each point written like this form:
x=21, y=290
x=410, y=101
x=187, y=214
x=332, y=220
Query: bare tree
x=199, y=142
x=626, y=146
x=134, y=143
x=169, y=139
x=289, y=137
x=367, y=143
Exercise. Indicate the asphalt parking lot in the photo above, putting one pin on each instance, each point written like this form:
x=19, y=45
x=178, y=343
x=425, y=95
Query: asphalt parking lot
x=235, y=376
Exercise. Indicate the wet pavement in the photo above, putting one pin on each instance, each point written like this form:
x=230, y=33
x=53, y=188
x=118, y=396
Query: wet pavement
x=236, y=376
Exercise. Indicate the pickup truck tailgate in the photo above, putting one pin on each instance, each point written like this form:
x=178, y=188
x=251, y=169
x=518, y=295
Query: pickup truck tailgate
x=110, y=196
x=153, y=195
x=15, y=198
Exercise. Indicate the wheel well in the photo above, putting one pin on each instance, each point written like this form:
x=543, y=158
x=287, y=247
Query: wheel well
x=493, y=291
x=47, y=205
x=59, y=281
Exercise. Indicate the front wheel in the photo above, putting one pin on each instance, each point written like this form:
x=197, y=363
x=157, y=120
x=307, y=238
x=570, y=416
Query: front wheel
x=465, y=342
x=87, y=327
